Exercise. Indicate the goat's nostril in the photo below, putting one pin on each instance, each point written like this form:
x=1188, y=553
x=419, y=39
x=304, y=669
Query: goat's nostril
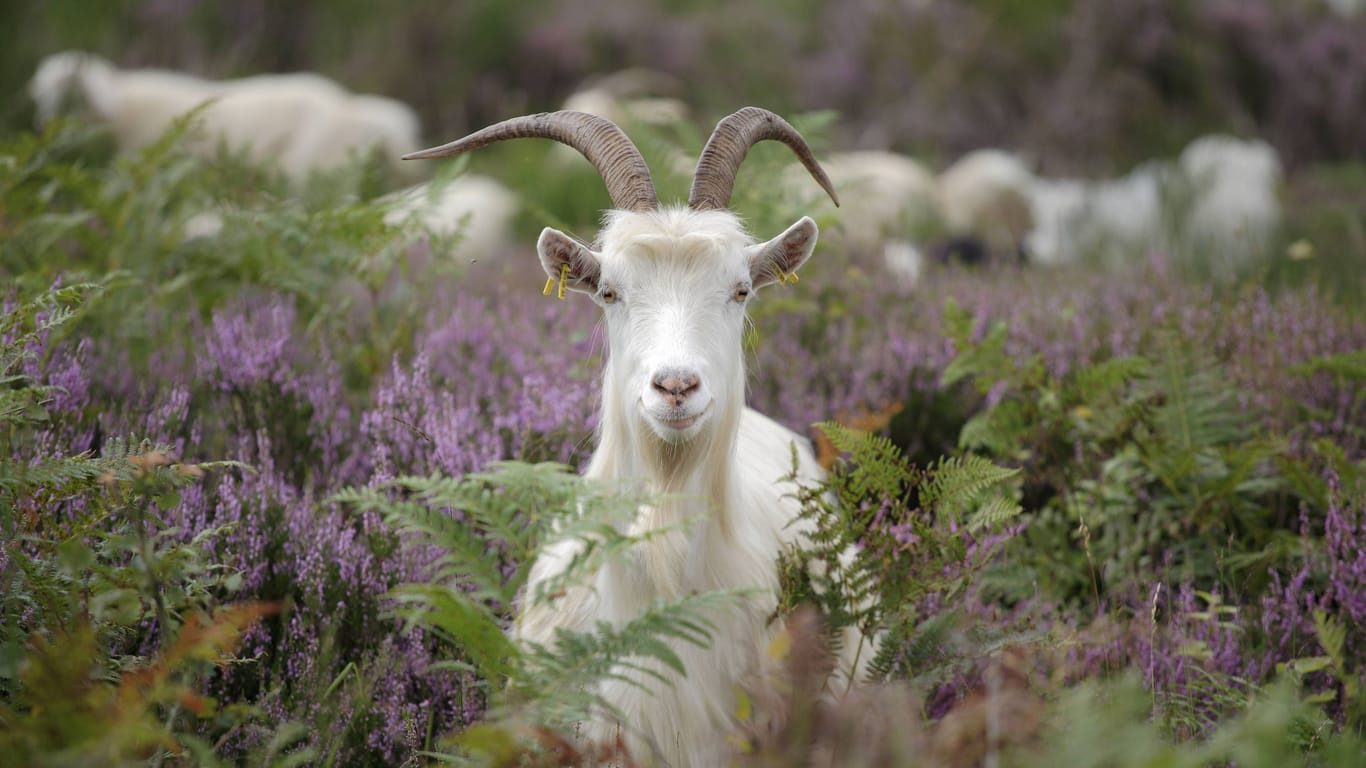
x=676, y=386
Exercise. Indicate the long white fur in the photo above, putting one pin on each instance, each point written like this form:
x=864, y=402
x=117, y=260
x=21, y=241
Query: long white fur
x=675, y=272
x=304, y=122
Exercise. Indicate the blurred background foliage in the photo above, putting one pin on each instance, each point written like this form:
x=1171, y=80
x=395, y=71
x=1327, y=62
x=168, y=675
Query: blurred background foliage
x=1085, y=86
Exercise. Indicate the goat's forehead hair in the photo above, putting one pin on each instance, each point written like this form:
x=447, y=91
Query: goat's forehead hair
x=675, y=230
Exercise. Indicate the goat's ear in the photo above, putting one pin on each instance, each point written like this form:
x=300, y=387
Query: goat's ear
x=558, y=250
x=784, y=254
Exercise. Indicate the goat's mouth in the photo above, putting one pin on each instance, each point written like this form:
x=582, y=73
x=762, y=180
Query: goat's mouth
x=675, y=424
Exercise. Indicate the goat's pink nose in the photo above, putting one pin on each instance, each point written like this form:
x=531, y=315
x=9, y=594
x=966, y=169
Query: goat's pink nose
x=676, y=386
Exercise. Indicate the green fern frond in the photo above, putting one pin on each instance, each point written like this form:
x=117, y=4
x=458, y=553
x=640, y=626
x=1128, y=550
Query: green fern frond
x=956, y=480
x=598, y=540
x=885, y=536
x=490, y=526
x=873, y=465
x=994, y=513
x=457, y=617
x=1195, y=406
x=1107, y=376
x=636, y=653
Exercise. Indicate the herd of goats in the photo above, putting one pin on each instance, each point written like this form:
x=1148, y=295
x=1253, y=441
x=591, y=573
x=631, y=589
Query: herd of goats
x=673, y=282
x=1219, y=199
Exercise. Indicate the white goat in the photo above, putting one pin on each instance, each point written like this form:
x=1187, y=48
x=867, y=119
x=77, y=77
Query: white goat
x=479, y=208
x=1058, y=208
x=1109, y=221
x=1217, y=203
x=985, y=194
x=1234, y=207
x=891, y=201
x=673, y=283
x=303, y=122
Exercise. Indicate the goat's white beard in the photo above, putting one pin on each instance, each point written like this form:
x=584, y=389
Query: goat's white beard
x=692, y=460
x=674, y=463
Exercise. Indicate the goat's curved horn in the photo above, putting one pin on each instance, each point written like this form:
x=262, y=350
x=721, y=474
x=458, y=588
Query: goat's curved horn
x=714, y=179
x=598, y=139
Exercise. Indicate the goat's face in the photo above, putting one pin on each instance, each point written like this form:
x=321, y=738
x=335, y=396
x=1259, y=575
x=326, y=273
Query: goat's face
x=673, y=285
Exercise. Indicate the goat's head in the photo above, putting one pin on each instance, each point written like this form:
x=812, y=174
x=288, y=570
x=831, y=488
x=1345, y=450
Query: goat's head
x=672, y=282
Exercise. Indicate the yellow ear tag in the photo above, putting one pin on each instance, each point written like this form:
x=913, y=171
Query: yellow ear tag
x=782, y=276
x=550, y=283
x=793, y=276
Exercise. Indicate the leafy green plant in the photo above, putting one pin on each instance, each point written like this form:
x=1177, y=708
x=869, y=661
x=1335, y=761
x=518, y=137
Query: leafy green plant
x=1099, y=724
x=71, y=711
x=178, y=230
x=886, y=535
x=1151, y=466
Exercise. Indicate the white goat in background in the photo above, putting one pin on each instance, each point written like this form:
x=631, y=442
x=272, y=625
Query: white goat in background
x=1217, y=203
x=673, y=283
x=302, y=122
x=1234, y=204
x=985, y=194
x=891, y=201
x=1112, y=221
x=479, y=208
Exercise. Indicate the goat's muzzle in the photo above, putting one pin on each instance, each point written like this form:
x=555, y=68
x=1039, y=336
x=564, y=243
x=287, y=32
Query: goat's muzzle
x=676, y=386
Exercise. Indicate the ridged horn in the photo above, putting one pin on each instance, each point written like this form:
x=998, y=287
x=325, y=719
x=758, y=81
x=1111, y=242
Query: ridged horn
x=714, y=179
x=600, y=140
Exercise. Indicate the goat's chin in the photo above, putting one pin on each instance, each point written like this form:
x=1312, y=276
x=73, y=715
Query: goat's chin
x=675, y=427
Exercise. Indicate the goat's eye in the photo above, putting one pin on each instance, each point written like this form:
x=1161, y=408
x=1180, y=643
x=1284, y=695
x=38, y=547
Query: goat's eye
x=608, y=295
x=741, y=293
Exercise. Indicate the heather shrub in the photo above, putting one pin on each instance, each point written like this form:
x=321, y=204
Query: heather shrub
x=113, y=619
